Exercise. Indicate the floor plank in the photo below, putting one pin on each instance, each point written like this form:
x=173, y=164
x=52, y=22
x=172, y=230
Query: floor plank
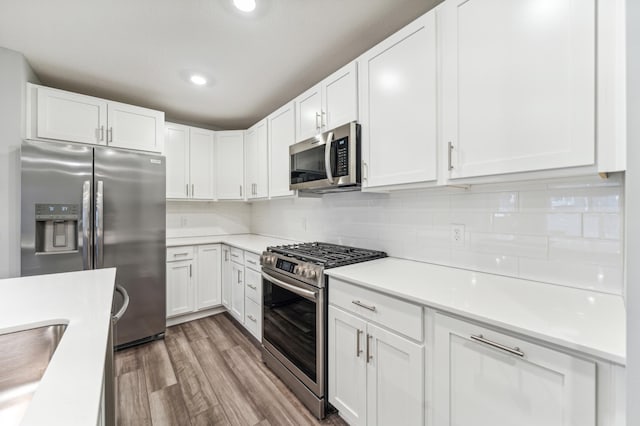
x=133, y=403
x=157, y=366
x=168, y=407
x=206, y=372
x=238, y=408
x=196, y=389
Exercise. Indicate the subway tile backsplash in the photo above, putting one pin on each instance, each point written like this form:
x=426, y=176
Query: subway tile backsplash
x=200, y=218
x=566, y=231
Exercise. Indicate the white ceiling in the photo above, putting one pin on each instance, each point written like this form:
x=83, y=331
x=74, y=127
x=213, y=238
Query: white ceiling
x=141, y=51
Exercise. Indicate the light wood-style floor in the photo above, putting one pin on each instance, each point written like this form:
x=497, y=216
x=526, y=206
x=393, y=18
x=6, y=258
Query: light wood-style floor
x=205, y=372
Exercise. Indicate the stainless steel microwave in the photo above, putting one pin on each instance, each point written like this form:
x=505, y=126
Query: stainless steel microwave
x=328, y=162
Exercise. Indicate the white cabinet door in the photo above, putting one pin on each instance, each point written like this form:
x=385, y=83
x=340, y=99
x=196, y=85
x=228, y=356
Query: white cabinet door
x=226, y=277
x=70, y=117
x=257, y=161
x=281, y=127
x=308, y=107
x=340, y=97
x=177, y=158
x=179, y=287
x=477, y=384
x=395, y=379
x=518, y=84
x=135, y=127
x=201, y=164
x=348, y=366
x=251, y=160
x=398, y=114
x=208, y=291
x=237, y=291
x=229, y=160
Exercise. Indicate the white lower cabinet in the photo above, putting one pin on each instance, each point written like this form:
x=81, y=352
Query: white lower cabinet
x=484, y=378
x=193, y=279
x=208, y=291
x=226, y=277
x=237, y=291
x=376, y=377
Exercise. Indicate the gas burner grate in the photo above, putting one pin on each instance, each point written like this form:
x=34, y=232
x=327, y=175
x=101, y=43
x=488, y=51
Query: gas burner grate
x=326, y=254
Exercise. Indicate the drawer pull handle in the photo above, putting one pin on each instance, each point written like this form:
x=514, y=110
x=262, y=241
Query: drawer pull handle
x=253, y=262
x=252, y=287
x=362, y=305
x=180, y=254
x=513, y=351
x=235, y=255
x=252, y=318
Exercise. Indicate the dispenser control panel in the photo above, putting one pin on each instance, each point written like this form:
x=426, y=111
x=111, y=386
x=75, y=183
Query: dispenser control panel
x=57, y=211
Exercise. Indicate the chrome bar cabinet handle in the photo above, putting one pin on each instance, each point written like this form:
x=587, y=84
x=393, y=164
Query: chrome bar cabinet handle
x=369, y=356
x=450, y=149
x=362, y=305
x=513, y=351
x=358, y=349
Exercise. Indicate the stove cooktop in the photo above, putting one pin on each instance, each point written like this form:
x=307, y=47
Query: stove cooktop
x=326, y=254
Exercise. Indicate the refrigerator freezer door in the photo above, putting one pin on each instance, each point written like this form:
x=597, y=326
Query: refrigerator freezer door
x=129, y=190
x=55, y=180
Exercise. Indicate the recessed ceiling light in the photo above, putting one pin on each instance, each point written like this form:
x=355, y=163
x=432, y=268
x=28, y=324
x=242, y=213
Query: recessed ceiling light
x=198, y=80
x=245, y=5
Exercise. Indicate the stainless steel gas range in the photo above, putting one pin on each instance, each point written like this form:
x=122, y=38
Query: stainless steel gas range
x=295, y=298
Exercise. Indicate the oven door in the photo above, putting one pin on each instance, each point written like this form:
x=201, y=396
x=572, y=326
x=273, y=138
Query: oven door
x=293, y=327
x=330, y=159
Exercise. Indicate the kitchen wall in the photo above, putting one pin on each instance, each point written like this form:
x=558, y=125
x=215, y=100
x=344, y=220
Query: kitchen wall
x=195, y=218
x=15, y=72
x=565, y=231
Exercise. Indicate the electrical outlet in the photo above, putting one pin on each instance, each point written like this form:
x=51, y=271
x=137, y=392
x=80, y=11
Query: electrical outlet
x=457, y=235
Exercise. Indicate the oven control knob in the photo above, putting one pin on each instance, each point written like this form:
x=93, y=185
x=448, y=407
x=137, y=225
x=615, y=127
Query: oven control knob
x=310, y=273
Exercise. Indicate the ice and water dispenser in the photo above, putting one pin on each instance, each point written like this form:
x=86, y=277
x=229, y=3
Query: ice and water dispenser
x=57, y=228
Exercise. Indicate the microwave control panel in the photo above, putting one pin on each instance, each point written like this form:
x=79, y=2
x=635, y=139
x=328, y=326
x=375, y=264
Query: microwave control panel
x=342, y=157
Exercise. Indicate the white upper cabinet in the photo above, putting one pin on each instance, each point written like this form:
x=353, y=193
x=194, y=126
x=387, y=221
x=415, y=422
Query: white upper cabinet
x=519, y=85
x=229, y=168
x=189, y=152
x=134, y=127
x=256, y=161
x=70, y=117
x=201, y=147
x=484, y=378
x=328, y=104
x=281, y=128
x=309, y=113
x=177, y=158
x=60, y=115
x=398, y=86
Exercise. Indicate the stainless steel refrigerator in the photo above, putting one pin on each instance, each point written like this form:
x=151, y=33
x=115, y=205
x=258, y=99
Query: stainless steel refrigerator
x=86, y=207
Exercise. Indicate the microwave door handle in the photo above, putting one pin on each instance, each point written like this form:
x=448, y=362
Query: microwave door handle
x=327, y=157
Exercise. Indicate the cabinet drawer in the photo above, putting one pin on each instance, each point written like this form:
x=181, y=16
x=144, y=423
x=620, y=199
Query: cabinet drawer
x=179, y=253
x=253, y=283
x=253, y=318
x=398, y=315
x=237, y=255
x=252, y=260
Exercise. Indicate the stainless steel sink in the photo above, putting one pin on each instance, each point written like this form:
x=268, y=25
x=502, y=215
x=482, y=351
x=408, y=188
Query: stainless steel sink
x=24, y=357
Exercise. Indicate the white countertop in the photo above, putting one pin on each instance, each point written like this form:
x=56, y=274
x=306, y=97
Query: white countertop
x=589, y=322
x=250, y=242
x=70, y=390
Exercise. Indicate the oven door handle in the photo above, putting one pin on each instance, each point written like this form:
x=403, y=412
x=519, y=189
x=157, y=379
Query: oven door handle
x=307, y=294
x=327, y=157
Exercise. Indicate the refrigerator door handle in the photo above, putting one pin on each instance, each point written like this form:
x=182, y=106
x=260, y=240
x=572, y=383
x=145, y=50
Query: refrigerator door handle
x=87, y=252
x=99, y=225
